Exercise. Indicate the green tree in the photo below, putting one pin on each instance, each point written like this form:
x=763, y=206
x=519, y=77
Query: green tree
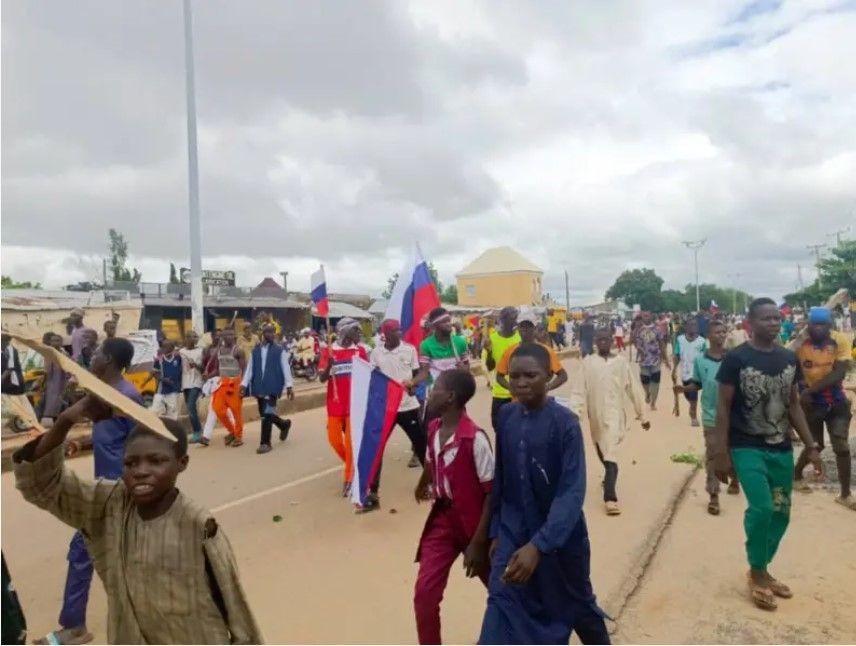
x=6, y=282
x=675, y=300
x=119, y=259
x=390, y=283
x=837, y=271
x=173, y=274
x=638, y=286
x=450, y=295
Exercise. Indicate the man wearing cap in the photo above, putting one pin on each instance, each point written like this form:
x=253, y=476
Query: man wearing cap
x=824, y=359
x=335, y=369
x=400, y=362
x=268, y=373
x=526, y=326
x=78, y=332
x=495, y=346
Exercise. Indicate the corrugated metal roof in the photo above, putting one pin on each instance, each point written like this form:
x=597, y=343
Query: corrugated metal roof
x=339, y=310
x=499, y=260
x=226, y=301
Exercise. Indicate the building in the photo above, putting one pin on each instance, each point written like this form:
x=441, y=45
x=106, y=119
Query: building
x=498, y=277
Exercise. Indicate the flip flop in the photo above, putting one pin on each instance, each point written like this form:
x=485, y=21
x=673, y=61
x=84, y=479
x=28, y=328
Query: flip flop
x=762, y=596
x=780, y=589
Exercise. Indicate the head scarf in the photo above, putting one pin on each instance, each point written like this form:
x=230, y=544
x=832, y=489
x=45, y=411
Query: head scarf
x=345, y=324
x=389, y=325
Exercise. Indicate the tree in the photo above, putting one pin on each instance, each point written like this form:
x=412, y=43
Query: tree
x=173, y=274
x=638, y=286
x=6, y=282
x=835, y=272
x=675, y=300
x=450, y=295
x=119, y=259
x=390, y=283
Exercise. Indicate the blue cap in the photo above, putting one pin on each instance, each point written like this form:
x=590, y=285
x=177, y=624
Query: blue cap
x=819, y=315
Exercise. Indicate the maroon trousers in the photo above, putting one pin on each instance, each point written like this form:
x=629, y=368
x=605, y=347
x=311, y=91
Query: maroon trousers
x=443, y=540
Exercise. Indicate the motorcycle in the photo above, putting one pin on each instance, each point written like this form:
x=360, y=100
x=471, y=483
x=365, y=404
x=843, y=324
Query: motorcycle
x=308, y=372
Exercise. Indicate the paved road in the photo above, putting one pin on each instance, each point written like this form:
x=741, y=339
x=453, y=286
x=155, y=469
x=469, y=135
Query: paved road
x=325, y=575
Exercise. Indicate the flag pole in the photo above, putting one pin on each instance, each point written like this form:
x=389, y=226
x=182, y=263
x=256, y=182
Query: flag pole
x=330, y=342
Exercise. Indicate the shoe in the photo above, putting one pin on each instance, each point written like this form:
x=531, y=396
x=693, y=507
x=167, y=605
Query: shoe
x=372, y=504
x=802, y=486
x=694, y=423
x=264, y=448
x=229, y=439
x=849, y=502
x=204, y=442
x=734, y=488
x=414, y=462
x=346, y=489
x=612, y=508
x=284, y=429
x=196, y=438
x=236, y=443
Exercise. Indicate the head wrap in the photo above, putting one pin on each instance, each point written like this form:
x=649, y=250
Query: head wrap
x=389, y=325
x=345, y=324
x=819, y=315
x=438, y=316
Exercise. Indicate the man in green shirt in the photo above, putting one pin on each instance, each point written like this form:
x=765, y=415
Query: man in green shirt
x=496, y=344
x=441, y=351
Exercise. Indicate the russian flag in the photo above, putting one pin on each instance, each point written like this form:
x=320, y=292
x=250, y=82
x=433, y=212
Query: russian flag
x=319, y=293
x=374, y=405
x=413, y=296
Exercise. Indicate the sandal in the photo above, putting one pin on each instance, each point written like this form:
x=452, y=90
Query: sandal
x=713, y=507
x=236, y=443
x=65, y=636
x=762, y=596
x=780, y=589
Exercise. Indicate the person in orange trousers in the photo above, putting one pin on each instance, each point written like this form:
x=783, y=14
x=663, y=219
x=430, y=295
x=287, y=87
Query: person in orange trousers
x=228, y=398
x=335, y=369
x=228, y=362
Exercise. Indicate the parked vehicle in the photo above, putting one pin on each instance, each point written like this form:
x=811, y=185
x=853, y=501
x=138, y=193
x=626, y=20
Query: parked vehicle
x=309, y=372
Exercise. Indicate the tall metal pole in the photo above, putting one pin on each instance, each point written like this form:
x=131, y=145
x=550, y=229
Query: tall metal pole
x=196, y=307
x=695, y=245
x=284, y=275
x=567, y=292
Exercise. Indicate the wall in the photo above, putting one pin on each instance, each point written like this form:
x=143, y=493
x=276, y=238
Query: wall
x=496, y=290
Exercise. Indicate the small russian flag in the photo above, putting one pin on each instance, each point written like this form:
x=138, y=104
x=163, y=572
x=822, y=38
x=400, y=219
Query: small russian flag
x=374, y=405
x=319, y=293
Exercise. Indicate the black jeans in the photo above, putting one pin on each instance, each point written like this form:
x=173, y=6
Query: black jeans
x=410, y=423
x=610, y=478
x=495, y=406
x=269, y=419
x=191, y=396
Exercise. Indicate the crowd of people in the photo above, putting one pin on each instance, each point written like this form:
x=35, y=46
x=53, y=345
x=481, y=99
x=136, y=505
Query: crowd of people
x=511, y=505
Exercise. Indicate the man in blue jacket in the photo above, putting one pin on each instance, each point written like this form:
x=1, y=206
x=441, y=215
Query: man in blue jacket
x=266, y=376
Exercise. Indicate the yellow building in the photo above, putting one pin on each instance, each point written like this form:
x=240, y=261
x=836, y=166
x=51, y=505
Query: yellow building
x=498, y=277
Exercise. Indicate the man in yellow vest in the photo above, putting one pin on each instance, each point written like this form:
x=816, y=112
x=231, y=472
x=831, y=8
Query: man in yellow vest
x=498, y=341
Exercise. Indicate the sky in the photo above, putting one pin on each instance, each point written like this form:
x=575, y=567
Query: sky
x=592, y=137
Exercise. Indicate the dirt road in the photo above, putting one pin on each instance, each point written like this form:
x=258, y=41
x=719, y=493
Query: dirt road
x=325, y=575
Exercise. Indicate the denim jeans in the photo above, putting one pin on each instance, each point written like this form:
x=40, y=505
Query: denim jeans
x=191, y=396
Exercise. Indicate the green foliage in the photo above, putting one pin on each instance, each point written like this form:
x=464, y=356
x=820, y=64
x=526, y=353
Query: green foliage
x=119, y=259
x=837, y=271
x=173, y=274
x=450, y=295
x=6, y=282
x=640, y=286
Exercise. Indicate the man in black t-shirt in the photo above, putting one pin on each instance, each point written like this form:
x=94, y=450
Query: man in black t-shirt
x=758, y=403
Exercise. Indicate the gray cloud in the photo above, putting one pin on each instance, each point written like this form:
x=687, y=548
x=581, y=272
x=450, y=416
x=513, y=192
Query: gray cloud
x=581, y=133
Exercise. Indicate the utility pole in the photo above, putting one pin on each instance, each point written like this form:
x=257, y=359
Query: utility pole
x=104, y=272
x=284, y=275
x=838, y=233
x=816, y=249
x=800, y=277
x=567, y=292
x=195, y=221
x=695, y=245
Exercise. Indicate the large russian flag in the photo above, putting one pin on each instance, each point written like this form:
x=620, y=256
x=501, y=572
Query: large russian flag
x=318, y=284
x=413, y=296
x=374, y=405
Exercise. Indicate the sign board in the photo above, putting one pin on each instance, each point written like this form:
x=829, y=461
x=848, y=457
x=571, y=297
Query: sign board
x=210, y=277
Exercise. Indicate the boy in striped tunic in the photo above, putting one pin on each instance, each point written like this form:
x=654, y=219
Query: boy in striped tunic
x=167, y=568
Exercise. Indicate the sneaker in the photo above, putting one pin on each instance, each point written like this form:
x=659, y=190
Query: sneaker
x=414, y=462
x=264, y=448
x=284, y=429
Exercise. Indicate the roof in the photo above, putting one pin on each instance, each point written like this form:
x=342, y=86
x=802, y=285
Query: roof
x=269, y=288
x=44, y=299
x=259, y=302
x=499, y=260
x=338, y=310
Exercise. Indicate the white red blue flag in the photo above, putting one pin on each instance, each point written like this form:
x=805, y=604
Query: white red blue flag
x=374, y=406
x=413, y=296
x=318, y=291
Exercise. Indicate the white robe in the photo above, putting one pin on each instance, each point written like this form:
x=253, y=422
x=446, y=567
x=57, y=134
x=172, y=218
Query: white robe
x=601, y=389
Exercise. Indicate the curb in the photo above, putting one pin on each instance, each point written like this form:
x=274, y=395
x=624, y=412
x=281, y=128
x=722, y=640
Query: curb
x=616, y=602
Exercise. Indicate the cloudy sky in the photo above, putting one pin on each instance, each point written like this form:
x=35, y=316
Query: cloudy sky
x=591, y=136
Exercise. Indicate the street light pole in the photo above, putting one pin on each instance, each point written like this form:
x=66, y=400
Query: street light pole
x=695, y=245
x=195, y=221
